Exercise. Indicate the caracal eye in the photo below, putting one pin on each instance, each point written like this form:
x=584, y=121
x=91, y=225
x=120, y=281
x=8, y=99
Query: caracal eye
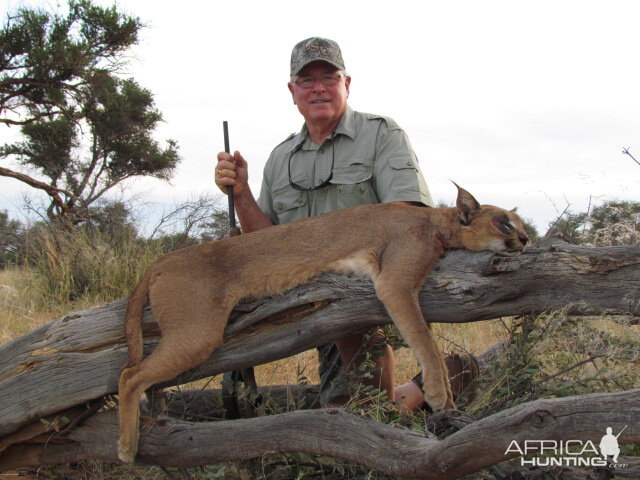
x=503, y=226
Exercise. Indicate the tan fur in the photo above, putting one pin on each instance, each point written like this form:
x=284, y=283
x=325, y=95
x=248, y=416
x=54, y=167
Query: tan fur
x=192, y=291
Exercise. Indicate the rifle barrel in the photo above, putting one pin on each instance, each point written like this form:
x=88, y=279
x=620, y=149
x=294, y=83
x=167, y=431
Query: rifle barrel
x=625, y=427
x=232, y=212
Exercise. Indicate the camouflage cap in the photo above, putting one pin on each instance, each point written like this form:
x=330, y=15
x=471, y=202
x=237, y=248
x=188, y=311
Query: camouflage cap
x=315, y=49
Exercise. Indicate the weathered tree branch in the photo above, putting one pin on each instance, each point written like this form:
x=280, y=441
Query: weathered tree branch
x=78, y=358
x=335, y=433
x=53, y=192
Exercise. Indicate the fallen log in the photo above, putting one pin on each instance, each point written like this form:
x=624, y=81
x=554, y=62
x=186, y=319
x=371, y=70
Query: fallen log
x=335, y=433
x=78, y=357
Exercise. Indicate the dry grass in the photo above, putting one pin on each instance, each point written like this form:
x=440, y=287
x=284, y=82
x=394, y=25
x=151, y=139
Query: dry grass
x=23, y=307
x=472, y=337
x=20, y=304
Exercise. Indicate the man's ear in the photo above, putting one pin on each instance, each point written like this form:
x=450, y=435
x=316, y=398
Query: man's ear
x=290, y=85
x=468, y=207
x=347, y=83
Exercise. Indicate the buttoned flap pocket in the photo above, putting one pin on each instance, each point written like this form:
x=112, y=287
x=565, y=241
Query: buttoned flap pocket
x=404, y=174
x=402, y=162
x=354, y=173
x=352, y=184
x=289, y=203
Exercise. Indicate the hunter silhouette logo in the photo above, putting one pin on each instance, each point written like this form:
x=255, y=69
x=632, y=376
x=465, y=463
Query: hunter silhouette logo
x=609, y=444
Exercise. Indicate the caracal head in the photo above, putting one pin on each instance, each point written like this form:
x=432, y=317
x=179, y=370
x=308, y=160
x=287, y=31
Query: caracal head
x=485, y=227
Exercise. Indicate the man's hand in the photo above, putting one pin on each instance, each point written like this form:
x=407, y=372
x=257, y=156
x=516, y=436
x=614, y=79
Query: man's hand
x=231, y=170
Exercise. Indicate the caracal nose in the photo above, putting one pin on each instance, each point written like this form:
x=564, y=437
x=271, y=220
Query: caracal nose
x=524, y=238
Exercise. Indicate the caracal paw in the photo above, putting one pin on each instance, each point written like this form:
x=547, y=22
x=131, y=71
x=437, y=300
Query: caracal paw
x=439, y=401
x=126, y=453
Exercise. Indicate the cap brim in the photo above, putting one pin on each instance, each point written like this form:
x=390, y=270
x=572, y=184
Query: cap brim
x=312, y=60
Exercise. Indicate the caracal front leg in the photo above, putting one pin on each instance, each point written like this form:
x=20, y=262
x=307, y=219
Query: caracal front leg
x=404, y=309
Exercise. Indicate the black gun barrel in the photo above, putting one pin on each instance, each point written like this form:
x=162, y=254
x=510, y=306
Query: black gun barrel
x=232, y=211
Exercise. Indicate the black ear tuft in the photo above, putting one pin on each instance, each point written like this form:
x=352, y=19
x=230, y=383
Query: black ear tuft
x=468, y=207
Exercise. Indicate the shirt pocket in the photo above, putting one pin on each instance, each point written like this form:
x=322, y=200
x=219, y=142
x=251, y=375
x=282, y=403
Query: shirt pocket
x=404, y=173
x=351, y=185
x=289, y=204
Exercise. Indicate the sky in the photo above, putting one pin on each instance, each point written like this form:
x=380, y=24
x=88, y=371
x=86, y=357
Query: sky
x=525, y=104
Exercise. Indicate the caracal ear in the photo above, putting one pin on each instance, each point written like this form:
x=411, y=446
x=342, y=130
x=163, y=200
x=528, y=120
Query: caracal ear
x=468, y=207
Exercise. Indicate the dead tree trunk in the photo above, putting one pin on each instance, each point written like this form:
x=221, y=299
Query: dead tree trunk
x=78, y=357
x=335, y=433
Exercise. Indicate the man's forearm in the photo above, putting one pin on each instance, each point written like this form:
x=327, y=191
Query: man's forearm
x=249, y=213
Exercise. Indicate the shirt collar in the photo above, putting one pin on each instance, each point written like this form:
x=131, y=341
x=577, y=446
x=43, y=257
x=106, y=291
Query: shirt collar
x=346, y=126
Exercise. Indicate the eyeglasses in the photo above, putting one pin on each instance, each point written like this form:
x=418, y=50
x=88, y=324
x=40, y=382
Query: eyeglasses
x=323, y=184
x=326, y=80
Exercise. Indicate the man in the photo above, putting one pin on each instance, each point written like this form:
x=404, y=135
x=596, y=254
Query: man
x=609, y=445
x=340, y=158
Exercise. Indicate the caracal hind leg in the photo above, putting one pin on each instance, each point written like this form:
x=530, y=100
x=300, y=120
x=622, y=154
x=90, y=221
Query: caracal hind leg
x=179, y=350
x=156, y=401
x=404, y=309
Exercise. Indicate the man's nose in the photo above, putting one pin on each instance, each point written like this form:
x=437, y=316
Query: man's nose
x=318, y=85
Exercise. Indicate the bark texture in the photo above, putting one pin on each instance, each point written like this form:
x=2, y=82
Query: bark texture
x=333, y=432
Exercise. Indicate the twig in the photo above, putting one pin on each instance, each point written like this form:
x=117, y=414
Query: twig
x=531, y=388
x=168, y=473
x=552, y=229
x=626, y=151
x=584, y=226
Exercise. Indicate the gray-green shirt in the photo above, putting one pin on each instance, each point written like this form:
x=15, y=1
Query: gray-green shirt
x=373, y=162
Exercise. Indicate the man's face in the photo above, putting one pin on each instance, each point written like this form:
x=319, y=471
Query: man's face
x=320, y=103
